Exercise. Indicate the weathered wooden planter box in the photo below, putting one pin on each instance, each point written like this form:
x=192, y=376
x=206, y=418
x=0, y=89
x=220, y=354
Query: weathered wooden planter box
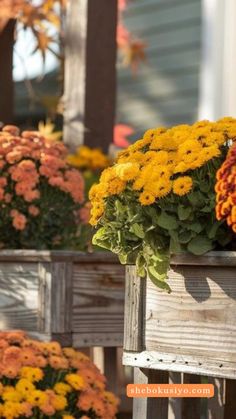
x=193, y=329
x=73, y=297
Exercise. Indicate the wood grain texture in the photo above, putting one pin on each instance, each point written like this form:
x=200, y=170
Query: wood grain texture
x=61, y=297
x=134, y=311
x=191, y=407
x=18, y=296
x=36, y=294
x=98, y=304
x=175, y=404
x=168, y=361
x=197, y=317
x=216, y=404
x=6, y=77
x=153, y=407
x=75, y=73
x=100, y=93
x=230, y=399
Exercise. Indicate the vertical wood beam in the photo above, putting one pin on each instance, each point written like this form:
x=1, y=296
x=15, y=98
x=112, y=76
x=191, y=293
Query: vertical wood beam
x=6, y=77
x=191, y=407
x=150, y=407
x=90, y=73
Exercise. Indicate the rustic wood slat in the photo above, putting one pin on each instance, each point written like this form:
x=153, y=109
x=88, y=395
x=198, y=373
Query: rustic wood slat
x=6, y=77
x=18, y=296
x=90, y=73
x=75, y=72
x=134, y=311
x=175, y=404
x=215, y=405
x=199, y=314
x=98, y=304
x=230, y=399
x=153, y=407
x=110, y=368
x=171, y=361
x=191, y=407
x=100, y=96
x=62, y=275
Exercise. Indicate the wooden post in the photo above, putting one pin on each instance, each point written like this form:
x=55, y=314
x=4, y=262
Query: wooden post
x=6, y=79
x=90, y=73
x=150, y=407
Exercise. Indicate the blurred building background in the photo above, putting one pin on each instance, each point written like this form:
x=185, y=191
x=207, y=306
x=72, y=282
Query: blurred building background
x=165, y=90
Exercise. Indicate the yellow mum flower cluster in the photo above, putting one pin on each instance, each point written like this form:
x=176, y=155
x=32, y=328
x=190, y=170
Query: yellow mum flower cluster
x=42, y=379
x=161, y=162
x=87, y=158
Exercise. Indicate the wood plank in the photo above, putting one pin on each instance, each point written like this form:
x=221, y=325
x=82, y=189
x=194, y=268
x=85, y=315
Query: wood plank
x=75, y=73
x=19, y=296
x=216, y=258
x=110, y=369
x=175, y=404
x=153, y=407
x=134, y=311
x=100, y=97
x=98, y=304
x=6, y=77
x=62, y=288
x=57, y=255
x=230, y=399
x=90, y=81
x=172, y=361
x=191, y=407
x=199, y=314
x=215, y=405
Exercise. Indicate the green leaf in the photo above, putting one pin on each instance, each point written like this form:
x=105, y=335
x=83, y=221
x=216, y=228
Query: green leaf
x=160, y=283
x=196, y=199
x=123, y=258
x=184, y=212
x=196, y=227
x=212, y=230
x=167, y=221
x=137, y=229
x=204, y=186
x=141, y=264
x=186, y=236
x=200, y=245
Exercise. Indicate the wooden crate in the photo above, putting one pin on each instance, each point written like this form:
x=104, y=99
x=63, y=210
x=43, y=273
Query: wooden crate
x=73, y=297
x=193, y=329
x=188, y=336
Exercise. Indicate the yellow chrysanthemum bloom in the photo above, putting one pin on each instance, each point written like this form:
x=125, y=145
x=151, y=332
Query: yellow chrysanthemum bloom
x=24, y=387
x=75, y=381
x=59, y=402
x=37, y=398
x=116, y=186
x=208, y=153
x=188, y=150
x=182, y=185
x=31, y=374
x=62, y=388
x=160, y=188
x=68, y=417
x=127, y=171
x=150, y=134
x=11, y=394
x=147, y=198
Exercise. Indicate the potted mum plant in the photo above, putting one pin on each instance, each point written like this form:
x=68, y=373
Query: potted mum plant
x=155, y=208
x=43, y=277
x=41, y=380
